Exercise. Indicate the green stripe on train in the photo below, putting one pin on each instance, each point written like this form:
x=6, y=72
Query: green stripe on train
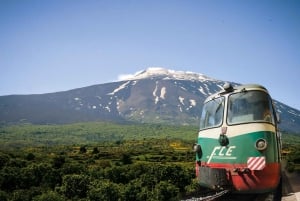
x=239, y=148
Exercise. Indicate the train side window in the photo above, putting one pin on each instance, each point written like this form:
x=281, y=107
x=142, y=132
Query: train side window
x=212, y=113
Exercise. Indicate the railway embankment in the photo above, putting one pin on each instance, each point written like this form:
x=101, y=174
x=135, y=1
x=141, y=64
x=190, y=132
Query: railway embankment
x=291, y=185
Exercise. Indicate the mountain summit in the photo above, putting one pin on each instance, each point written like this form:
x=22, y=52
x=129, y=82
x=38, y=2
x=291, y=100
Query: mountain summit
x=154, y=72
x=154, y=95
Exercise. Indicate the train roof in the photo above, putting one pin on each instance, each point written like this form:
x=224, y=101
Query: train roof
x=228, y=88
x=251, y=87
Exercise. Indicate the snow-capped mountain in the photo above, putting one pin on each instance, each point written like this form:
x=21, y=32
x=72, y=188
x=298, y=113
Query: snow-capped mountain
x=155, y=72
x=155, y=95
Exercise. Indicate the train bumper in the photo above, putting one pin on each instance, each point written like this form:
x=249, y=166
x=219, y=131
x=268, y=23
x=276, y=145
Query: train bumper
x=240, y=180
x=214, y=178
x=258, y=181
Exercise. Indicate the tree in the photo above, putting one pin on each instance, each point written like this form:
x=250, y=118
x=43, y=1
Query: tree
x=3, y=196
x=30, y=157
x=51, y=178
x=58, y=161
x=75, y=186
x=165, y=191
x=134, y=191
x=3, y=160
x=119, y=174
x=49, y=196
x=82, y=150
x=33, y=174
x=9, y=178
x=24, y=194
x=126, y=159
x=105, y=190
x=95, y=150
x=73, y=168
x=131, y=190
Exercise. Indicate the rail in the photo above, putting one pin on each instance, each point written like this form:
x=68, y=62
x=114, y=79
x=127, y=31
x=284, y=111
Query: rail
x=208, y=197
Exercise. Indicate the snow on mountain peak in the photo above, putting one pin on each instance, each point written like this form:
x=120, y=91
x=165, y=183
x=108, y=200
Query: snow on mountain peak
x=166, y=73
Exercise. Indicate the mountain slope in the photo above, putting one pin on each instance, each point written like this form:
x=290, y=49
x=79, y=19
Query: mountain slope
x=154, y=95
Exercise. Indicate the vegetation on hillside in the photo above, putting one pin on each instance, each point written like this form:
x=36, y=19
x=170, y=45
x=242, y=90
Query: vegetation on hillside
x=152, y=169
x=291, y=149
x=103, y=161
x=17, y=136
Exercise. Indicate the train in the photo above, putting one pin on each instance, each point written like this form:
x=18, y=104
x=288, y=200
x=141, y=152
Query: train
x=239, y=143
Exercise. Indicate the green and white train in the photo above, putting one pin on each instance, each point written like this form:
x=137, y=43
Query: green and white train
x=239, y=142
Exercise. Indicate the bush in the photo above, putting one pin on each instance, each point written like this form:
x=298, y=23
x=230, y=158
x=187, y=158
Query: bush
x=82, y=150
x=30, y=157
x=126, y=159
x=165, y=191
x=25, y=195
x=3, y=196
x=105, y=190
x=3, y=160
x=58, y=161
x=290, y=167
x=49, y=196
x=135, y=191
x=75, y=186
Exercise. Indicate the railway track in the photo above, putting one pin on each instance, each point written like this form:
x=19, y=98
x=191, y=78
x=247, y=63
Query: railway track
x=226, y=195
x=208, y=197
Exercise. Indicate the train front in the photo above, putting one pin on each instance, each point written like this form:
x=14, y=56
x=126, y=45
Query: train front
x=238, y=146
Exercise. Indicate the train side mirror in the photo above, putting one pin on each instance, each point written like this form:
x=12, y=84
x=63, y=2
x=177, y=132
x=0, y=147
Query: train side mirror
x=278, y=118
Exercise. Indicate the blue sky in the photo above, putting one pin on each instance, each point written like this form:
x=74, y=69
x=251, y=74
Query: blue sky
x=56, y=45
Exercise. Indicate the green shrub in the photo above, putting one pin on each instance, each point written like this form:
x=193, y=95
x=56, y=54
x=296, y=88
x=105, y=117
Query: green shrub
x=49, y=196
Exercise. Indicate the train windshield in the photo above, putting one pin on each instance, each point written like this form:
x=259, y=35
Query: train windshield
x=250, y=106
x=212, y=113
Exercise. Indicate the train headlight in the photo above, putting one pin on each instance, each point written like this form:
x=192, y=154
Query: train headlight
x=261, y=144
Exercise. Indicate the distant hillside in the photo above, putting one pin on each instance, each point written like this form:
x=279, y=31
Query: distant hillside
x=155, y=95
